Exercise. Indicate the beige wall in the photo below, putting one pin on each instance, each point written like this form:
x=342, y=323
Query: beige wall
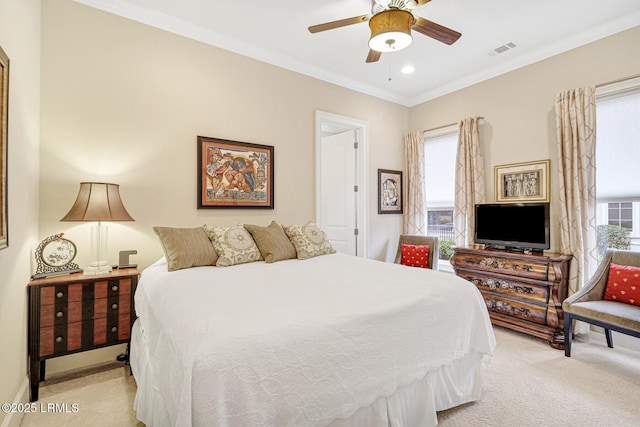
x=20, y=39
x=518, y=107
x=123, y=102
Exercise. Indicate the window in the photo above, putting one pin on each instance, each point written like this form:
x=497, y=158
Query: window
x=617, y=174
x=440, y=147
x=620, y=214
x=440, y=223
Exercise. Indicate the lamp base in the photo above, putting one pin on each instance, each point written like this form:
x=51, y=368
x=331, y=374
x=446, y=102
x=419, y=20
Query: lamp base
x=99, y=263
x=99, y=269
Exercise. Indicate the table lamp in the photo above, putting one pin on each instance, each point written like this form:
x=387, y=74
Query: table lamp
x=98, y=201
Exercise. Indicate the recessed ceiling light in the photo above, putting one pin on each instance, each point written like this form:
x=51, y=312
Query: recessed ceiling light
x=407, y=69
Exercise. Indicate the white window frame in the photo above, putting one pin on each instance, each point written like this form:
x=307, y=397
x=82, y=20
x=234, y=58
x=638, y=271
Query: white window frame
x=443, y=265
x=616, y=89
x=602, y=214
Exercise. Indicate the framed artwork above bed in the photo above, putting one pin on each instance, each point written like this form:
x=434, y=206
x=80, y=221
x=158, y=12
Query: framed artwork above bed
x=234, y=174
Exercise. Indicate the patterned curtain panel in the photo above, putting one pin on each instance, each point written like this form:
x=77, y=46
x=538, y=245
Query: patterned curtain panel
x=469, y=180
x=576, y=137
x=414, y=210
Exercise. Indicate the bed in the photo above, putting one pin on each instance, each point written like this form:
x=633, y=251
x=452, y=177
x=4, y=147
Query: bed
x=332, y=340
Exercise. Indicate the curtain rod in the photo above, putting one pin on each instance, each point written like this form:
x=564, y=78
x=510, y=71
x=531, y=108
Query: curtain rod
x=450, y=124
x=635, y=76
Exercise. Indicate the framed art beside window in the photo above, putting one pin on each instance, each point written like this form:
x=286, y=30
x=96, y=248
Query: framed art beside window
x=234, y=174
x=389, y=191
x=4, y=116
x=522, y=182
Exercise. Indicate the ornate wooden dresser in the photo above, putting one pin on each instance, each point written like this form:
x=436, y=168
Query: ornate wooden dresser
x=523, y=292
x=74, y=313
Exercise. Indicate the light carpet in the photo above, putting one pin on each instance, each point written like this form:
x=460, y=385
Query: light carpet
x=527, y=383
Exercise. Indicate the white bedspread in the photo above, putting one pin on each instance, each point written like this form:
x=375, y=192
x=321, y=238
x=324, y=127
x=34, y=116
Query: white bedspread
x=300, y=343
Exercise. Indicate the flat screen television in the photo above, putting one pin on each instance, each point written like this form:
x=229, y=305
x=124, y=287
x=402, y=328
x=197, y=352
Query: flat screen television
x=521, y=226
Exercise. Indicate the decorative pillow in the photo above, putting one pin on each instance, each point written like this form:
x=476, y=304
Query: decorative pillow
x=234, y=245
x=623, y=284
x=308, y=240
x=186, y=247
x=273, y=243
x=415, y=255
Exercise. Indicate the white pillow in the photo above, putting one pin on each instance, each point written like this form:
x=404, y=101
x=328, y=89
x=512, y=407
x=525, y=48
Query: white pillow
x=234, y=245
x=308, y=240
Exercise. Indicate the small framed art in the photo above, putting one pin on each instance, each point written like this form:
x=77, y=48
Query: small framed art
x=54, y=256
x=522, y=182
x=389, y=191
x=234, y=174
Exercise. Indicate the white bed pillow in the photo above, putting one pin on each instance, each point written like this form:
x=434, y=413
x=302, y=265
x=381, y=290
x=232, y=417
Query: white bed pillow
x=234, y=245
x=308, y=240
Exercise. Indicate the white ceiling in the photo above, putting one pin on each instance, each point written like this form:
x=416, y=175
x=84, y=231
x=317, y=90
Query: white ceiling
x=276, y=32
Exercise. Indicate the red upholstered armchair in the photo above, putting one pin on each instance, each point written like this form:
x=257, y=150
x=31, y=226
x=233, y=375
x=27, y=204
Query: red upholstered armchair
x=431, y=241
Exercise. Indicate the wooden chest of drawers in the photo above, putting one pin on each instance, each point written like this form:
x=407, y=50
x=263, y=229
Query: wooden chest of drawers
x=522, y=292
x=73, y=313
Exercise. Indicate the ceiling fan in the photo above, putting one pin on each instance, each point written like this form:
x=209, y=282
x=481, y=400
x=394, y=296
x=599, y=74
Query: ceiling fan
x=391, y=22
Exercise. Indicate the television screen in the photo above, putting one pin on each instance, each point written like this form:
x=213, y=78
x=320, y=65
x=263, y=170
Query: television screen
x=519, y=226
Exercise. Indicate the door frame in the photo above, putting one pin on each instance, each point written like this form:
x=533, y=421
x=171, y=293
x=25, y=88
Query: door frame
x=331, y=124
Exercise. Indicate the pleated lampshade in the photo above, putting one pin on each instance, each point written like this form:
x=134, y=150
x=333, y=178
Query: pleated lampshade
x=98, y=201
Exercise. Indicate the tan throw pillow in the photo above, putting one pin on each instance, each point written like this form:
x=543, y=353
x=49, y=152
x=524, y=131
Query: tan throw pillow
x=234, y=245
x=186, y=247
x=308, y=240
x=272, y=241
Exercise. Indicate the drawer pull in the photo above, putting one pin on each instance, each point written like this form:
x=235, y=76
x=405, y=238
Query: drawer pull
x=114, y=288
x=59, y=314
x=58, y=339
x=60, y=294
x=114, y=329
x=114, y=306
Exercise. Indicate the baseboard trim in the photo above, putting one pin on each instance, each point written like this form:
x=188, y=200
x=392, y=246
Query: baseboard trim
x=13, y=419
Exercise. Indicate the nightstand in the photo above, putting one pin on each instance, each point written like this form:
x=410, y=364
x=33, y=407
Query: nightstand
x=76, y=312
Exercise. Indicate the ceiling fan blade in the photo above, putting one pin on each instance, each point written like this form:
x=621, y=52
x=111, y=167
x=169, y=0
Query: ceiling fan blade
x=436, y=31
x=373, y=56
x=340, y=23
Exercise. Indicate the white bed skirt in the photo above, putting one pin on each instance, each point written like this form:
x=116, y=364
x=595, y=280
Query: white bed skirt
x=414, y=404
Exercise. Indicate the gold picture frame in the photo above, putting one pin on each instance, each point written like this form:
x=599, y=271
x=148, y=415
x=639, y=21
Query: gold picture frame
x=233, y=174
x=522, y=182
x=4, y=118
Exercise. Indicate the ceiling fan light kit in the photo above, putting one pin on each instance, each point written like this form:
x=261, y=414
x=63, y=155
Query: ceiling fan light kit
x=391, y=22
x=390, y=30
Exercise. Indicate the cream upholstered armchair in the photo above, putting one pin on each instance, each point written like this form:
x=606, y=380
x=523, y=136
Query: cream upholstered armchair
x=589, y=305
x=431, y=241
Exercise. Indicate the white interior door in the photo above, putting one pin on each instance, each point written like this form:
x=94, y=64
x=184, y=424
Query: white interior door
x=337, y=191
x=341, y=181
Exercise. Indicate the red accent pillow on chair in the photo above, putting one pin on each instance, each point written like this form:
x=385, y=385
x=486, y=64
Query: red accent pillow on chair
x=623, y=284
x=415, y=255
